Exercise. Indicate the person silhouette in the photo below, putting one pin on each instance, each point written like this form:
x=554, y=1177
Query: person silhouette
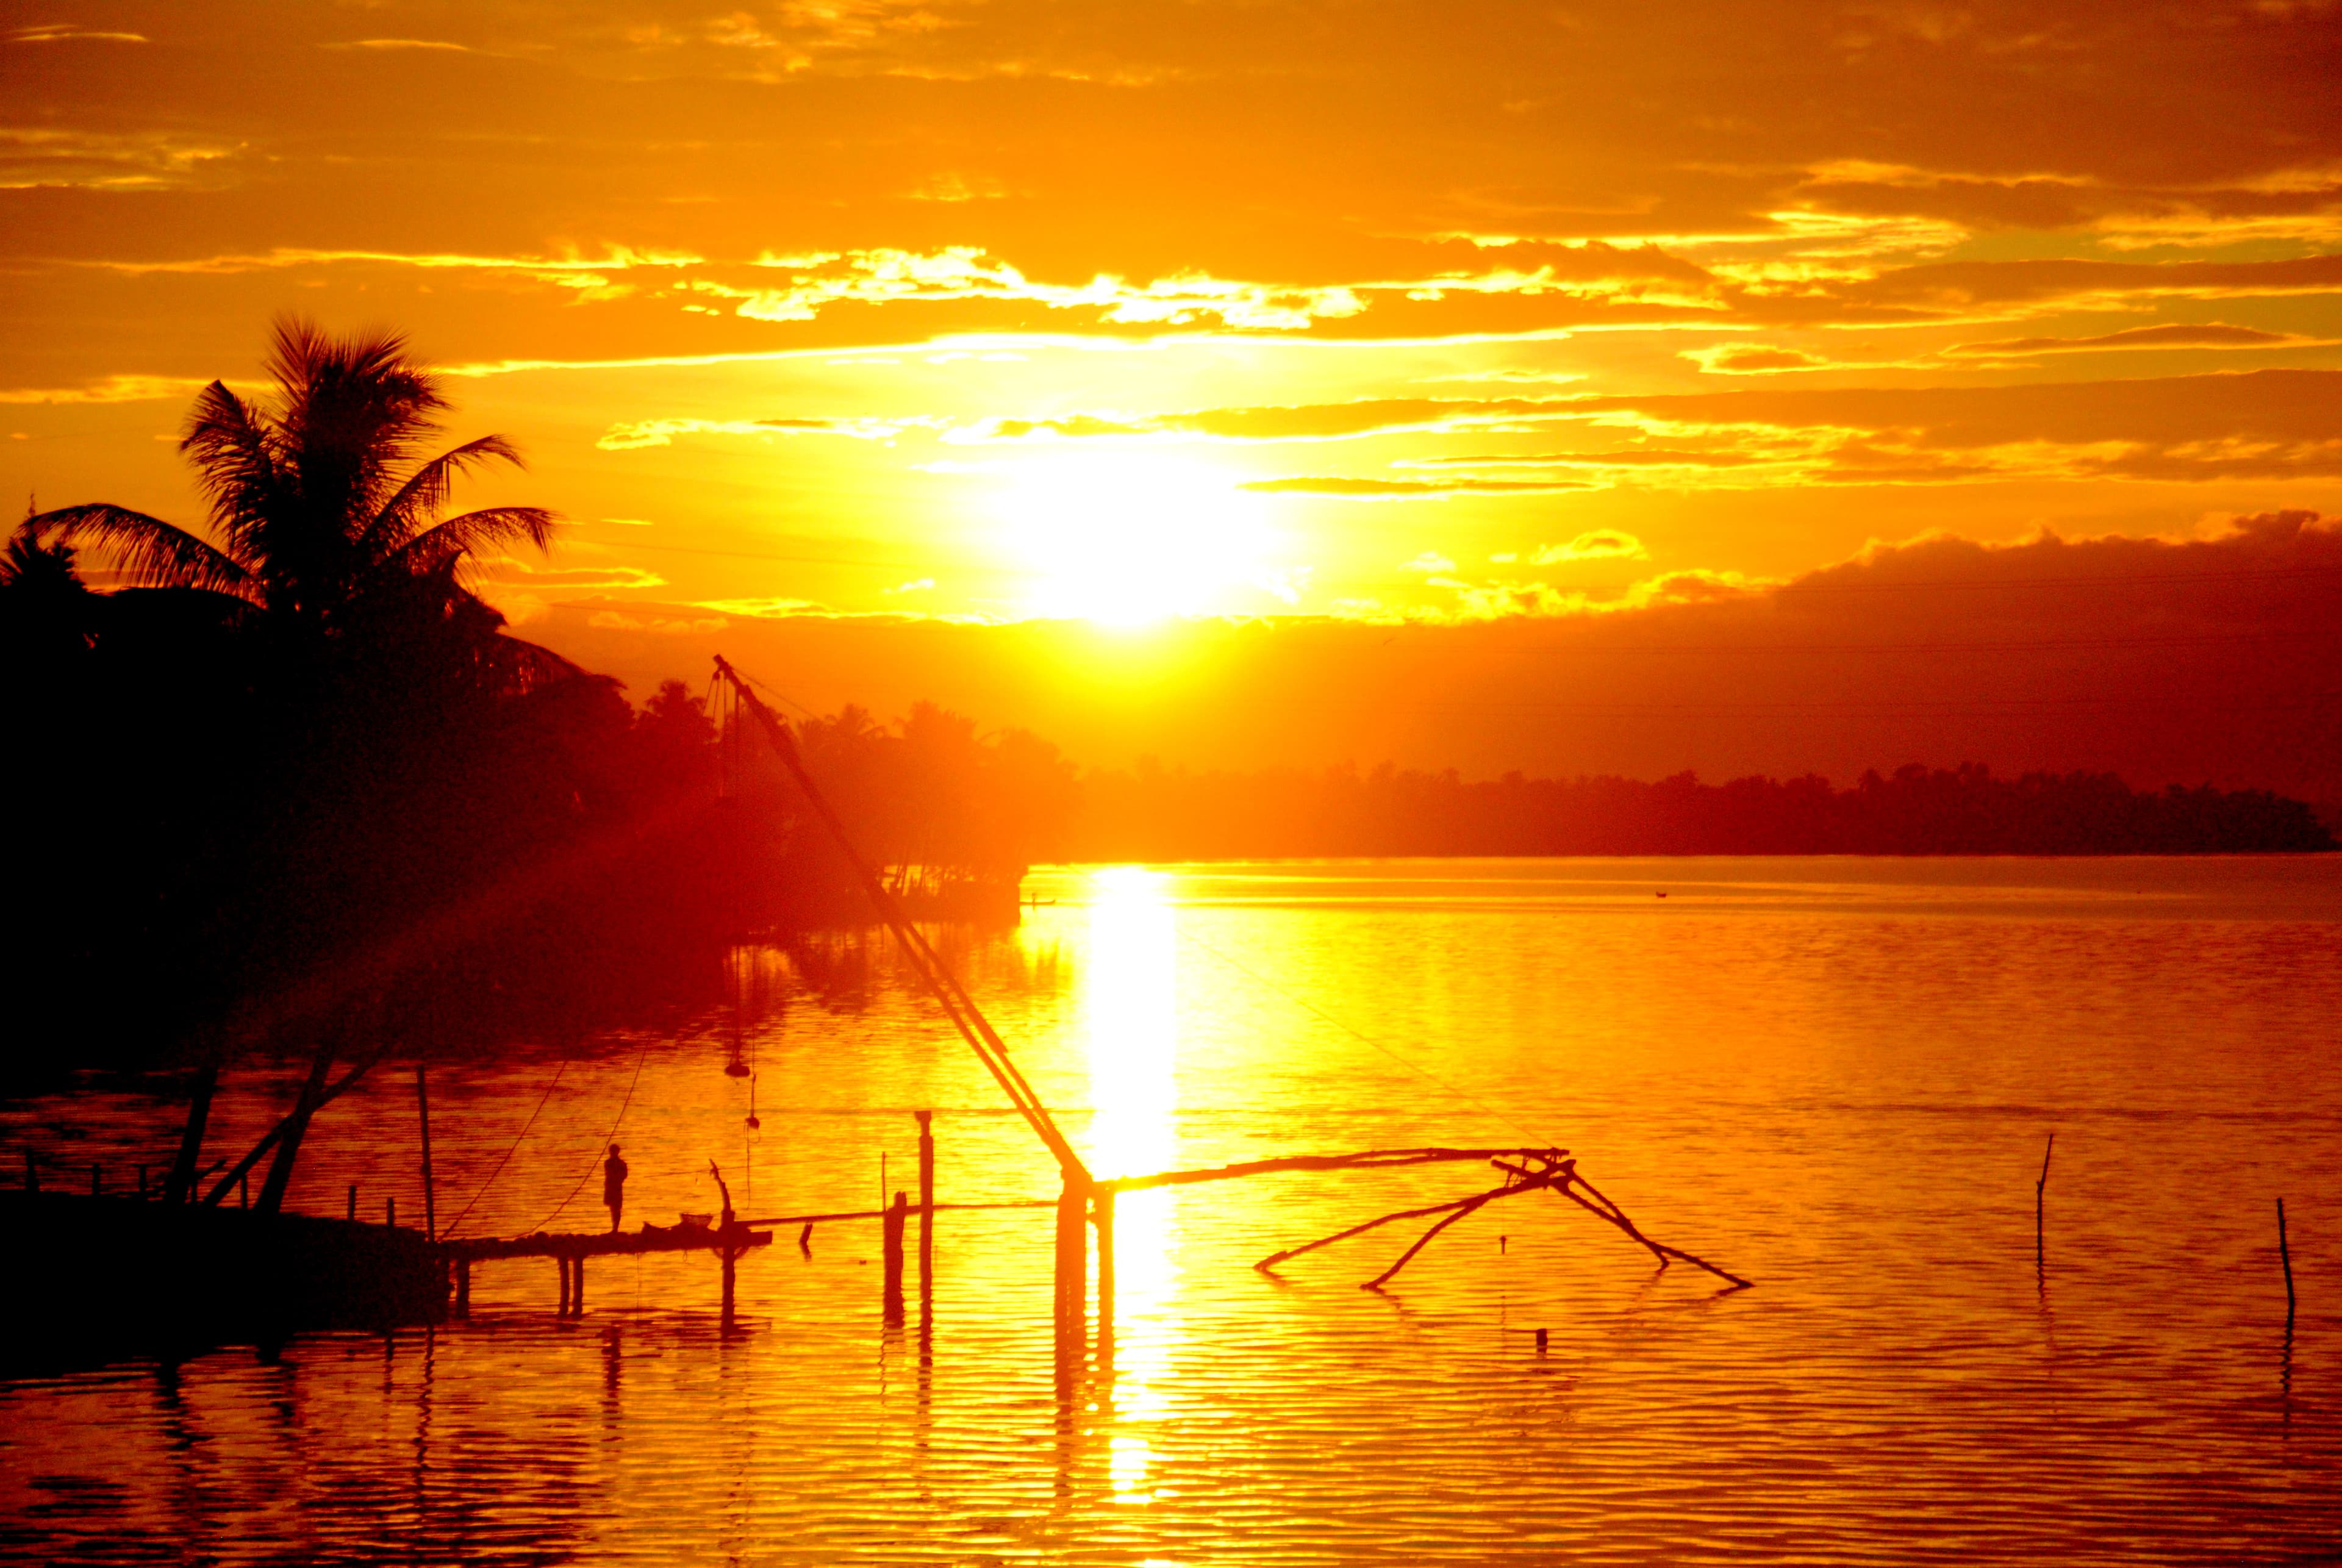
x=613, y=1185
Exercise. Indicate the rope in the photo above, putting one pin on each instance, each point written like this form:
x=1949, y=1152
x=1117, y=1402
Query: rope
x=640, y=1057
x=450, y=1228
x=1421, y=1072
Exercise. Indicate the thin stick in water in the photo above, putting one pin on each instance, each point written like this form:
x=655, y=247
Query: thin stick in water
x=2284, y=1256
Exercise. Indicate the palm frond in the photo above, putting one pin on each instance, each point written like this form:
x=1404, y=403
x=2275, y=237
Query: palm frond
x=149, y=551
x=408, y=512
x=446, y=543
x=237, y=457
x=356, y=409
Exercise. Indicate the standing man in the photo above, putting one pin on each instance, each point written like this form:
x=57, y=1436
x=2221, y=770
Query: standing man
x=614, y=1185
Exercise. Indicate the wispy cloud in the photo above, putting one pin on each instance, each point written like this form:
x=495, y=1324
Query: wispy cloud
x=2211, y=334
x=1407, y=489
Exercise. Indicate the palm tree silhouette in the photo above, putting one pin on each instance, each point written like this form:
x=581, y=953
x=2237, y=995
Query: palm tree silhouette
x=325, y=523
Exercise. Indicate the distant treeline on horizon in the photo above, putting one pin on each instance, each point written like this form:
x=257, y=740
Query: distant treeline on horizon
x=1150, y=813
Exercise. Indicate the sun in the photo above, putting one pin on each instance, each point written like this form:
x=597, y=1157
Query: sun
x=1128, y=539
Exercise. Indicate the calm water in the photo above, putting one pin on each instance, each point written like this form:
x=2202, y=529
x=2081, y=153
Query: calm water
x=1833, y=1076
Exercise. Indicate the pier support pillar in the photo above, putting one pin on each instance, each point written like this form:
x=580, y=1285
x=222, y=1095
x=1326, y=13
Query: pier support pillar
x=462, y=1287
x=1073, y=1262
x=892, y=1229
x=1102, y=1211
x=729, y=1291
x=927, y=1210
x=578, y=1286
x=562, y=1263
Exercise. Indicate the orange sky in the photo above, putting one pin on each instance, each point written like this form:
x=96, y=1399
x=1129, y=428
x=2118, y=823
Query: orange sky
x=1460, y=315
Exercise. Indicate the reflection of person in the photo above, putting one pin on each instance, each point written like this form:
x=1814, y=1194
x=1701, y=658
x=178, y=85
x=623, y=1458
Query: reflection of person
x=613, y=1185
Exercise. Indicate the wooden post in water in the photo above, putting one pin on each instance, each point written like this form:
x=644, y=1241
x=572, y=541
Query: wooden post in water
x=354, y=1200
x=390, y=1212
x=578, y=1285
x=891, y=1228
x=728, y=1283
x=32, y=1172
x=141, y=1182
x=927, y=1208
x=2041, y=1187
x=562, y=1308
x=1103, y=1206
x=1073, y=1260
x=96, y=1180
x=2284, y=1256
x=462, y=1287
x=430, y=1201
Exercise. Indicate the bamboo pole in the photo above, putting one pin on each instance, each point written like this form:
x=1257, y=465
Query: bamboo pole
x=2040, y=1188
x=972, y=1025
x=892, y=1234
x=927, y=1208
x=430, y=1199
x=2284, y=1256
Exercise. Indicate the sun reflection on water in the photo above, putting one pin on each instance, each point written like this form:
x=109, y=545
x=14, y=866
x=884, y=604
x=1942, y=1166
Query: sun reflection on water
x=1130, y=1014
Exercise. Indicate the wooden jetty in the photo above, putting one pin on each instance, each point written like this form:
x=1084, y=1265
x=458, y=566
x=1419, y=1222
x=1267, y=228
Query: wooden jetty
x=569, y=1250
x=132, y=1271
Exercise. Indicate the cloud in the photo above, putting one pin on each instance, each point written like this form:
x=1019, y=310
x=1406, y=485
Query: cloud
x=110, y=389
x=1288, y=422
x=509, y=572
x=2258, y=424
x=2211, y=334
x=631, y=435
x=66, y=32
x=1602, y=545
x=659, y=625
x=1626, y=457
x=32, y=157
x=1753, y=358
x=1404, y=489
x=437, y=44
x=768, y=608
x=629, y=522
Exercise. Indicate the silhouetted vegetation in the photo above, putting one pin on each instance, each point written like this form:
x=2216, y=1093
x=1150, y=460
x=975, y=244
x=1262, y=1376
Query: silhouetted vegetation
x=290, y=781
x=1152, y=813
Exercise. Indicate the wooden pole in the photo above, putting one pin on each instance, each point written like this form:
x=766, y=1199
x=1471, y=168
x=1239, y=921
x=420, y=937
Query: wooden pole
x=2040, y=1187
x=32, y=1172
x=430, y=1199
x=1072, y=1259
x=390, y=1212
x=180, y=1187
x=728, y=1284
x=353, y=1200
x=891, y=1231
x=297, y=1128
x=927, y=1207
x=462, y=1287
x=1103, y=1206
x=562, y=1263
x=578, y=1285
x=2284, y=1256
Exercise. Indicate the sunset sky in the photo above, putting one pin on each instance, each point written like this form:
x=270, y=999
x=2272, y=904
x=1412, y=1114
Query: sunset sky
x=1485, y=331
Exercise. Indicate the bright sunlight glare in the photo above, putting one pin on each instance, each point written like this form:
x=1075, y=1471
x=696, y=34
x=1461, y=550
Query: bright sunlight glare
x=1128, y=539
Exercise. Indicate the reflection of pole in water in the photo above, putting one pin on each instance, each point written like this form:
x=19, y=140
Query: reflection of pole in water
x=1103, y=1214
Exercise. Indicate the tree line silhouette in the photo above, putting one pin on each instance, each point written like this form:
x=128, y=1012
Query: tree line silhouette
x=1150, y=813
x=289, y=777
